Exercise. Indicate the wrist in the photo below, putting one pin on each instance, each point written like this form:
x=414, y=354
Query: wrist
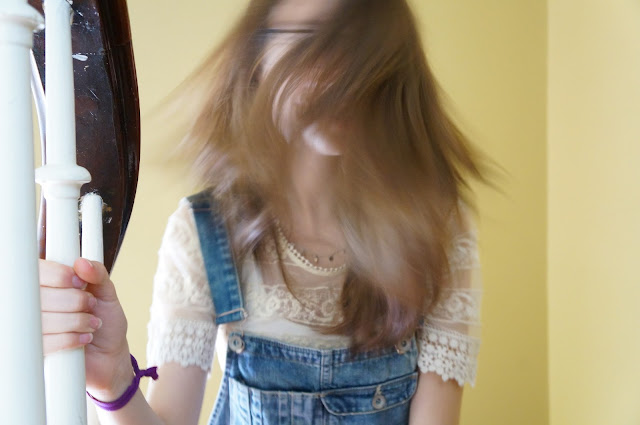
x=130, y=391
x=121, y=376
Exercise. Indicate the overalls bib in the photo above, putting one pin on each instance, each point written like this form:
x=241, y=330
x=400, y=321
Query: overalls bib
x=267, y=382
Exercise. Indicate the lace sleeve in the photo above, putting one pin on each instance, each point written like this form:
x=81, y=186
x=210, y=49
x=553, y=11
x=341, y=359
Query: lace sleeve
x=181, y=328
x=449, y=339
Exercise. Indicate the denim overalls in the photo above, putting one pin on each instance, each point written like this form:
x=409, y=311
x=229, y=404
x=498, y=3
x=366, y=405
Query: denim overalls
x=267, y=382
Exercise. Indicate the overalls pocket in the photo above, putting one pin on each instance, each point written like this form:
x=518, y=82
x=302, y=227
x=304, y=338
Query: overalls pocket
x=385, y=403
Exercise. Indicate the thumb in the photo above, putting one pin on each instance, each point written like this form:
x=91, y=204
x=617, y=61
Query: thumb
x=97, y=277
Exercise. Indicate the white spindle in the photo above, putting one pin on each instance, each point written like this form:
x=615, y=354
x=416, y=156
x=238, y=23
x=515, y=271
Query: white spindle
x=61, y=179
x=21, y=374
x=92, y=246
x=92, y=249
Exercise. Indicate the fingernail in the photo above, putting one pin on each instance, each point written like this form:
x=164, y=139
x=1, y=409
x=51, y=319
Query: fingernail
x=89, y=263
x=95, y=323
x=92, y=301
x=78, y=283
x=86, y=338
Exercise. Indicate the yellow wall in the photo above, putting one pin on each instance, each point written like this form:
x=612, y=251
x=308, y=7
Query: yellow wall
x=594, y=205
x=491, y=59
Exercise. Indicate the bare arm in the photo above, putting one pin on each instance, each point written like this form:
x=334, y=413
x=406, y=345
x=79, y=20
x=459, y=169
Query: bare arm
x=179, y=399
x=137, y=411
x=174, y=399
x=435, y=402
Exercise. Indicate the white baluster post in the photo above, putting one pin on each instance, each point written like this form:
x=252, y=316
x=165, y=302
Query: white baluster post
x=92, y=239
x=61, y=179
x=21, y=374
x=92, y=249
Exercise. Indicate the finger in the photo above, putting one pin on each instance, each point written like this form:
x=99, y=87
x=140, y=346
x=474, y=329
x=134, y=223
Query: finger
x=57, y=323
x=66, y=300
x=97, y=276
x=91, y=271
x=58, y=342
x=56, y=275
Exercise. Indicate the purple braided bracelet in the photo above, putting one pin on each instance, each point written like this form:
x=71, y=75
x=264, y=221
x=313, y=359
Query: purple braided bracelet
x=131, y=390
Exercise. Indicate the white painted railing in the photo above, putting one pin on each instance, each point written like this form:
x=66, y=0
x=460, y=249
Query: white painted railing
x=22, y=388
x=22, y=399
x=61, y=179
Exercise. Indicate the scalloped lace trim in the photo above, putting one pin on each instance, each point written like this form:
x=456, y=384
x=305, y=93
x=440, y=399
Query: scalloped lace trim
x=186, y=342
x=449, y=354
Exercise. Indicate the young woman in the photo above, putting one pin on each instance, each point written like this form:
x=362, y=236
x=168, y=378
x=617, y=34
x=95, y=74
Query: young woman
x=331, y=257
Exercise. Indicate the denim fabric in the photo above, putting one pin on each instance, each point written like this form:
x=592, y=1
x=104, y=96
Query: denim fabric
x=221, y=271
x=267, y=382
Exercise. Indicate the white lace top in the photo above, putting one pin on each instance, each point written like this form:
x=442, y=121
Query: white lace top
x=182, y=327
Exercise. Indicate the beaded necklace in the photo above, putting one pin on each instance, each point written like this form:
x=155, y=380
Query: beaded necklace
x=291, y=248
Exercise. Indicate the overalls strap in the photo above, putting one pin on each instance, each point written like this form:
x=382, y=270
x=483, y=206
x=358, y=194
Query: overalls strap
x=218, y=259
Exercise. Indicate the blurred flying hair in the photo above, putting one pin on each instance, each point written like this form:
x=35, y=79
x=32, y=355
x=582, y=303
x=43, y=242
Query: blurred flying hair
x=404, y=167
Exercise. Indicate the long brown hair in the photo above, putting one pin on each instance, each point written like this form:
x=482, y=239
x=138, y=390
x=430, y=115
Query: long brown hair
x=404, y=165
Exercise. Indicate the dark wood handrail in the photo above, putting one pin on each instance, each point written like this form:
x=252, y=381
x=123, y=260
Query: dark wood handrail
x=107, y=112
